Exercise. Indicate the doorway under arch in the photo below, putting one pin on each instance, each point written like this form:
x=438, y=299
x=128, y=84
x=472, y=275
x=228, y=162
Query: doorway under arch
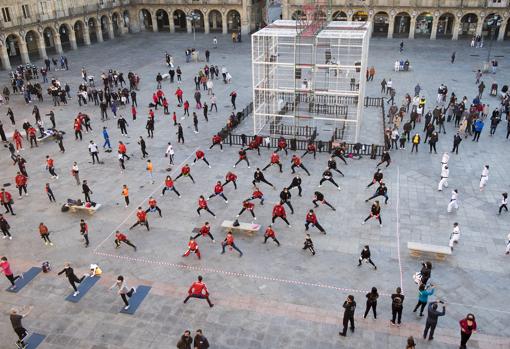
x=215, y=21
x=162, y=20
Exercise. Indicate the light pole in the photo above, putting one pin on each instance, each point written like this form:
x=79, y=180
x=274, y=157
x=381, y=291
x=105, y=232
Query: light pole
x=193, y=17
x=493, y=23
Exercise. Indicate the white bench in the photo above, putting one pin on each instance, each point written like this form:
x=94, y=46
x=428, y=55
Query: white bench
x=417, y=248
x=242, y=227
x=89, y=210
x=165, y=76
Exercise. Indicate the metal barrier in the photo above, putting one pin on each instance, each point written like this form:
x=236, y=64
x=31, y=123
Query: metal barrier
x=374, y=101
x=291, y=130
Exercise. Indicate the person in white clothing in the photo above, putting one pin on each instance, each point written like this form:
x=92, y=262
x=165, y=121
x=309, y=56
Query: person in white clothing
x=75, y=171
x=484, y=177
x=445, y=159
x=444, y=178
x=93, y=152
x=453, y=201
x=215, y=42
x=455, y=235
x=504, y=202
x=123, y=290
x=169, y=153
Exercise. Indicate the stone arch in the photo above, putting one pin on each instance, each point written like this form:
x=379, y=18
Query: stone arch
x=163, y=20
x=423, y=26
x=298, y=15
x=489, y=29
x=145, y=19
x=117, y=23
x=215, y=21
x=180, y=22
x=64, y=31
x=32, y=39
x=233, y=21
x=79, y=32
x=507, y=29
x=49, y=40
x=105, y=23
x=468, y=24
x=402, y=25
x=126, y=20
x=93, y=27
x=339, y=16
x=381, y=24
x=12, y=43
x=445, y=25
x=198, y=23
x=360, y=16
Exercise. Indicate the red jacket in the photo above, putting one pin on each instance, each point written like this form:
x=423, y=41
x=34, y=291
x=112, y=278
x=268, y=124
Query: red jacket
x=296, y=160
x=218, y=188
x=205, y=230
x=279, y=211
x=270, y=233
x=198, y=288
x=464, y=326
x=282, y=143
x=154, y=98
x=275, y=158
x=253, y=144
x=165, y=103
x=17, y=137
x=202, y=203
x=311, y=218
x=192, y=245
x=229, y=239
x=77, y=125
x=141, y=216
x=199, y=154
x=152, y=202
x=178, y=93
x=186, y=105
x=120, y=237
x=151, y=114
x=49, y=162
x=5, y=197
x=216, y=139
x=257, y=194
x=311, y=147
x=32, y=132
x=185, y=170
x=122, y=148
x=169, y=183
x=231, y=176
x=248, y=205
x=160, y=93
x=20, y=180
x=242, y=154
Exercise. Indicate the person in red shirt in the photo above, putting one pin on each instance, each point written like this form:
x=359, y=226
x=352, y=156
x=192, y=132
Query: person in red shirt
x=165, y=106
x=133, y=112
x=254, y=145
x=21, y=184
x=186, y=108
x=218, y=190
x=311, y=218
x=153, y=206
x=282, y=145
x=270, y=233
x=77, y=128
x=202, y=205
x=6, y=200
x=84, y=231
x=123, y=150
x=192, y=247
x=32, y=134
x=45, y=234
x=257, y=194
x=185, y=172
x=296, y=162
x=310, y=149
x=169, y=185
x=119, y=238
x=279, y=212
x=151, y=114
x=141, y=216
x=229, y=241
x=200, y=155
x=174, y=118
x=275, y=160
x=247, y=205
x=18, y=140
x=467, y=328
x=230, y=177
x=199, y=290
x=6, y=269
x=216, y=140
x=242, y=157
x=179, y=93
x=155, y=101
x=205, y=230
x=50, y=166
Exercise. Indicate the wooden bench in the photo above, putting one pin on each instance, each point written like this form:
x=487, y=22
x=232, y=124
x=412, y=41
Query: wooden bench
x=249, y=228
x=417, y=248
x=89, y=210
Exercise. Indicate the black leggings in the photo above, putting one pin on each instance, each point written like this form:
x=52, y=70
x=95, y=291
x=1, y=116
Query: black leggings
x=181, y=175
x=245, y=159
x=125, y=296
x=172, y=188
x=321, y=229
x=146, y=223
x=328, y=179
x=274, y=239
x=273, y=163
x=204, y=159
x=300, y=165
x=227, y=181
x=22, y=333
x=46, y=238
x=210, y=235
x=396, y=314
x=244, y=209
x=205, y=208
x=12, y=278
x=127, y=242
x=324, y=202
x=154, y=208
x=422, y=304
x=262, y=180
x=378, y=217
x=22, y=188
x=6, y=232
x=374, y=309
x=503, y=206
x=74, y=279
x=283, y=218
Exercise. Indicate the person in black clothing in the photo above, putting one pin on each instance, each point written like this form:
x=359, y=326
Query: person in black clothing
x=332, y=166
x=432, y=317
x=309, y=244
x=180, y=134
x=143, y=147
x=396, y=306
x=426, y=271
x=133, y=99
x=378, y=176
x=71, y=276
x=381, y=191
x=328, y=176
x=375, y=211
x=318, y=196
x=17, y=326
x=4, y=227
x=186, y=341
x=200, y=342
x=385, y=158
x=122, y=123
x=371, y=302
x=86, y=191
x=150, y=127
x=349, y=309
x=339, y=152
x=242, y=157
x=296, y=182
x=285, y=196
x=258, y=177
x=434, y=137
x=104, y=113
x=365, y=256
x=456, y=141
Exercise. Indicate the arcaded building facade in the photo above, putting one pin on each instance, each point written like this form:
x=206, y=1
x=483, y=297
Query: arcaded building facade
x=431, y=19
x=33, y=29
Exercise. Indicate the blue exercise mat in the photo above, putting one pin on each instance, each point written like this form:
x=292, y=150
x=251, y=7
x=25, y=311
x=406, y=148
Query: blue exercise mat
x=83, y=287
x=34, y=340
x=136, y=299
x=27, y=277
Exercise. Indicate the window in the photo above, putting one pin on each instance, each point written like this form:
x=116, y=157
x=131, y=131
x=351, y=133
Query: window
x=6, y=14
x=43, y=7
x=26, y=12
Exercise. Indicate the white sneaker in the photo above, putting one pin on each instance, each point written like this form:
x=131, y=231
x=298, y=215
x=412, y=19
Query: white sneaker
x=76, y=293
x=10, y=237
x=226, y=201
x=126, y=307
x=209, y=166
x=362, y=223
x=5, y=237
x=339, y=188
x=320, y=185
x=234, y=166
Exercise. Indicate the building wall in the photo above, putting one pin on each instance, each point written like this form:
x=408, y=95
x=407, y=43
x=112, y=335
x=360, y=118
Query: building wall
x=35, y=28
x=434, y=19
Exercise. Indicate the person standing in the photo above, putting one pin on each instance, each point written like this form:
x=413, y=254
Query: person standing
x=122, y=124
x=84, y=231
x=242, y=157
x=49, y=192
x=218, y=190
x=124, y=291
x=200, y=341
x=143, y=147
x=410, y=343
x=93, y=152
x=50, y=166
x=377, y=178
x=375, y=211
x=170, y=153
x=385, y=158
x=432, y=318
x=382, y=190
x=200, y=155
x=311, y=218
x=456, y=141
x=233, y=96
x=205, y=230
x=308, y=244
x=453, y=201
x=106, y=138
x=319, y=197
x=423, y=297
x=365, y=256
x=186, y=341
x=397, y=300
x=416, y=141
x=484, y=178
x=332, y=166
x=192, y=247
x=21, y=184
x=45, y=234
x=125, y=194
x=349, y=309
x=279, y=212
x=119, y=238
x=504, y=202
x=371, y=302
x=199, y=290
x=467, y=328
x=327, y=175
x=75, y=172
x=445, y=172
x=270, y=233
x=149, y=169
x=169, y=185
x=86, y=191
x=6, y=269
x=180, y=134
x=141, y=219
x=275, y=160
x=258, y=177
x=296, y=162
x=185, y=172
x=285, y=197
x=202, y=205
x=247, y=206
x=6, y=200
x=4, y=227
x=229, y=241
x=296, y=183
x=455, y=235
x=71, y=277
x=17, y=326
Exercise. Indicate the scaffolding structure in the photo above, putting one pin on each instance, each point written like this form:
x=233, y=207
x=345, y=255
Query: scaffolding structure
x=310, y=71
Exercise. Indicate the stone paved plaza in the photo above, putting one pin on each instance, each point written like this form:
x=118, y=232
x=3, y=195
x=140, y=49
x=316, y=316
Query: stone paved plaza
x=272, y=297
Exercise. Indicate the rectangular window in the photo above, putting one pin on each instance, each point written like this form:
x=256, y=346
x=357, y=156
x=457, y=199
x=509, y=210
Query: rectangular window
x=26, y=12
x=43, y=7
x=6, y=14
